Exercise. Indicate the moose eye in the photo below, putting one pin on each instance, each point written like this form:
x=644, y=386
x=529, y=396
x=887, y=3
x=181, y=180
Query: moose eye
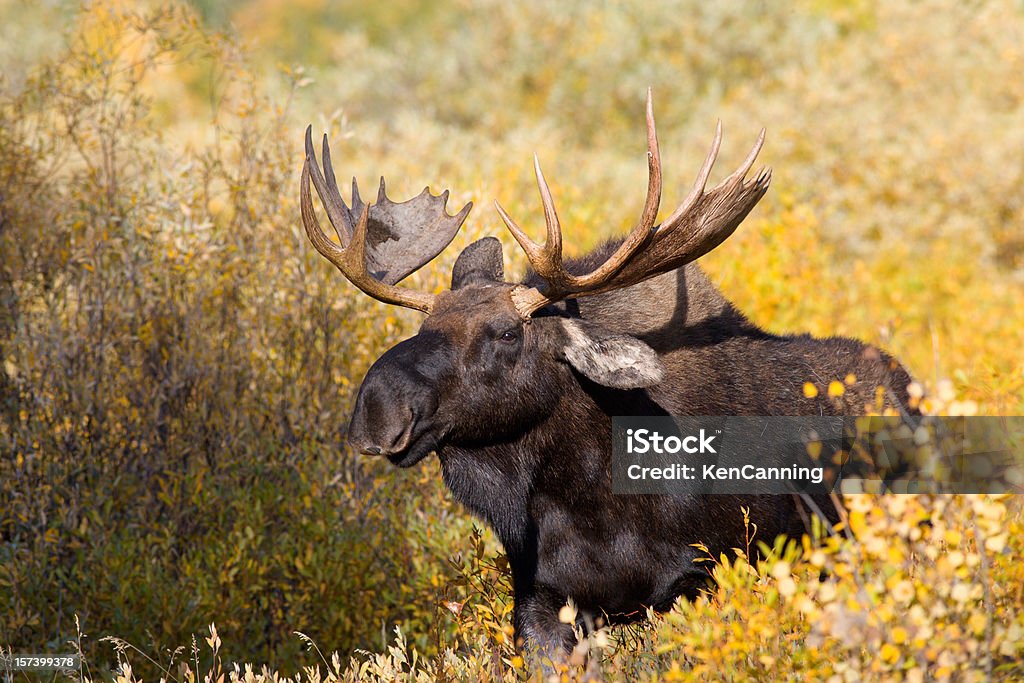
x=509, y=336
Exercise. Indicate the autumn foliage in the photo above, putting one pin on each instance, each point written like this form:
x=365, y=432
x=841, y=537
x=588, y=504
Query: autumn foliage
x=177, y=365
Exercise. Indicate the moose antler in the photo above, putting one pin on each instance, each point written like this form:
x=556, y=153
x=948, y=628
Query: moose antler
x=702, y=222
x=387, y=242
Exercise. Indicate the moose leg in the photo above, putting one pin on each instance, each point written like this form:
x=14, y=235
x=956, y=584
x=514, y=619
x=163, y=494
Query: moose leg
x=538, y=630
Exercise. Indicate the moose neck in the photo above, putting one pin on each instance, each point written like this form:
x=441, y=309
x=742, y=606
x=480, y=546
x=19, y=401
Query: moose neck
x=572, y=445
x=497, y=481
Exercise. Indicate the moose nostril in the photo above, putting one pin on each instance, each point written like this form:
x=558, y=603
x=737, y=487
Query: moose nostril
x=371, y=450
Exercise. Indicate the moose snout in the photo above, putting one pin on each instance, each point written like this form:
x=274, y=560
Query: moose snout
x=378, y=430
x=394, y=407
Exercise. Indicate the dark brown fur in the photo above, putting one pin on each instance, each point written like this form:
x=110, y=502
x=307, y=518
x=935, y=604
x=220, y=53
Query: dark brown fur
x=522, y=427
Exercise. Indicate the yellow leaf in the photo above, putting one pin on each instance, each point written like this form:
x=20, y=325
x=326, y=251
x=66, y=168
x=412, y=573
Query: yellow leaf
x=995, y=544
x=903, y=591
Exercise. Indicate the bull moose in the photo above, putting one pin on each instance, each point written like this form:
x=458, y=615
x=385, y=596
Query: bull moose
x=514, y=385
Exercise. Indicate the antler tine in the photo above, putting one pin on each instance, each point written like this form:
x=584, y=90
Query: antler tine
x=335, y=193
x=698, y=185
x=355, y=254
x=546, y=259
x=532, y=249
x=337, y=212
x=349, y=258
x=331, y=251
x=640, y=234
x=741, y=172
x=654, y=179
x=552, y=252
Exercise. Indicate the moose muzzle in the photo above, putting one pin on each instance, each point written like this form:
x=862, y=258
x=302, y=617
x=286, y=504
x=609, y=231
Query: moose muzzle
x=394, y=413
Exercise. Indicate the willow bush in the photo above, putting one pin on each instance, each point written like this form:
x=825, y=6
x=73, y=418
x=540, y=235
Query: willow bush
x=177, y=366
x=177, y=372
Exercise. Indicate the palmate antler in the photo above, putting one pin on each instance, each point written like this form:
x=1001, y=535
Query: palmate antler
x=702, y=222
x=387, y=242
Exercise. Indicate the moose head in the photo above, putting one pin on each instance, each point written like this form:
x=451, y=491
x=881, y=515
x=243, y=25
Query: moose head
x=492, y=357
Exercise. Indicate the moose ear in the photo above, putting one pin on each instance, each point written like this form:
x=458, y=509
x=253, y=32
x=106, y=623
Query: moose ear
x=479, y=262
x=610, y=358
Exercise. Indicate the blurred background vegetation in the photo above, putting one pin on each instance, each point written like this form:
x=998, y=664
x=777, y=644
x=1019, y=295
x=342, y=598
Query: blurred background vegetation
x=177, y=365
